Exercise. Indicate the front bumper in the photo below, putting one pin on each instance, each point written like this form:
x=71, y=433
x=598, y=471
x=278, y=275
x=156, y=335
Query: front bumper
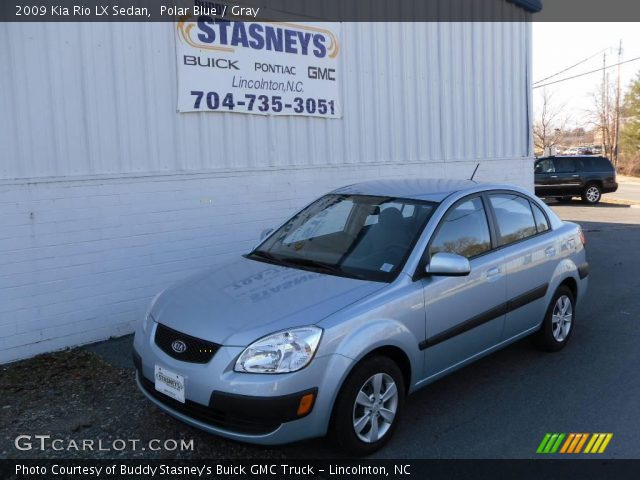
x=252, y=408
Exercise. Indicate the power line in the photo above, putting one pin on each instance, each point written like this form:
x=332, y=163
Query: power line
x=572, y=66
x=587, y=73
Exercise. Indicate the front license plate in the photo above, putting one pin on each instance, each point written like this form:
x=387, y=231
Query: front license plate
x=170, y=383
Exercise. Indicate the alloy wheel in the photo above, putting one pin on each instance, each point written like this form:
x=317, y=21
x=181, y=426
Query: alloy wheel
x=592, y=194
x=562, y=317
x=375, y=407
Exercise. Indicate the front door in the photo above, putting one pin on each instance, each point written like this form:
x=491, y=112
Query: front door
x=545, y=177
x=464, y=315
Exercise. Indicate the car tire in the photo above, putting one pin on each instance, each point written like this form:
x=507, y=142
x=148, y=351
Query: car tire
x=363, y=420
x=564, y=199
x=591, y=194
x=558, y=322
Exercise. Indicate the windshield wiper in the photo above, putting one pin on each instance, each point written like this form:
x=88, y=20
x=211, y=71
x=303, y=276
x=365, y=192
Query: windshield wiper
x=303, y=262
x=266, y=255
x=306, y=262
x=321, y=267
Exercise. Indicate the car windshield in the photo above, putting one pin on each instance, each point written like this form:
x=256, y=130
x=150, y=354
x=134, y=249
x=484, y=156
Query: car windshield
x=359, y=236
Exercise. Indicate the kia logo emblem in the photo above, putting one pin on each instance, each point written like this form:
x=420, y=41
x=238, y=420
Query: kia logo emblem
x=179, y=346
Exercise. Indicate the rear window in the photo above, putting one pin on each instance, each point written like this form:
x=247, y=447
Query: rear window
x=542, y=224
x=565, y=165
x=514, y=217
x=595, y=164
x=602, y=164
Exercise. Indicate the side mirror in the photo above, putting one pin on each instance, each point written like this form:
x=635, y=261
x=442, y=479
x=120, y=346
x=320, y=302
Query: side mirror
x=449, y=265
x=265, y=233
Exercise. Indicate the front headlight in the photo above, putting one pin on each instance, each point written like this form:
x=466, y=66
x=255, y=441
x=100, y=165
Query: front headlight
x=280, y=352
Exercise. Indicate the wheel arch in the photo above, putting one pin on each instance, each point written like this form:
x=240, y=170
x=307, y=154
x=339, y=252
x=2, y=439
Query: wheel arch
x=571, y=283
x=393, y=352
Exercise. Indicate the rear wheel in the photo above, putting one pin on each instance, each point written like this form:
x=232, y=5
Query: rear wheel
x=557, y=325
x=368, y=406
x=591, y=194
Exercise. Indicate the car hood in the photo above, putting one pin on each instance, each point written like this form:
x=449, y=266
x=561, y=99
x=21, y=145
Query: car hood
x=242, y=301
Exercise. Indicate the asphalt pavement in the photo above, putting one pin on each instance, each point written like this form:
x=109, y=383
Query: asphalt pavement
x=628, y=189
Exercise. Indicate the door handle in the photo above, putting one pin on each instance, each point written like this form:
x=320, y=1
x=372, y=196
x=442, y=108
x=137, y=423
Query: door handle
x=493, y=273
x=575, y=176
x=550, y=251
x=554, y=176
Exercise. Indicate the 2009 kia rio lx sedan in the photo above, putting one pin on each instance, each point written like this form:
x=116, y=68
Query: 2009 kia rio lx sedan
x=364, y=296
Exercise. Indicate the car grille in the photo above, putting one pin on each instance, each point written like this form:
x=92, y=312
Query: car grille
x=212, y=416
x=195, y=351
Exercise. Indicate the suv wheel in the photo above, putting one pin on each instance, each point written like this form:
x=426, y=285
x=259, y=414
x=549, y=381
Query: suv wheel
x=591, y=194
x=368, y=406
x=558, y=321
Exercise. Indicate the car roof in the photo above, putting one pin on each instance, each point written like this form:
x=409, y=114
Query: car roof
x=430, y=189
x=571, y=156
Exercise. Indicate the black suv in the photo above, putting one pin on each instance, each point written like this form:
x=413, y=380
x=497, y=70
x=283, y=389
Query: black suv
x=571, y=176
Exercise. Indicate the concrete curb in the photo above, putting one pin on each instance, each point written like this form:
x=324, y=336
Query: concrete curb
x=621, y=201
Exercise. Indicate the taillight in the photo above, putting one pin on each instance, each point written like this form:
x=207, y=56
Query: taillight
x=582, y=237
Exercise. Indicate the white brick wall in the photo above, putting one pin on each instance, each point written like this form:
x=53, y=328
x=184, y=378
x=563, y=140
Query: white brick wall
x=80, y=259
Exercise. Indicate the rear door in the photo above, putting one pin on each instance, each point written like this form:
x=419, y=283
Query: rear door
x=567, y=177
x=530, y=255
x=464, y=315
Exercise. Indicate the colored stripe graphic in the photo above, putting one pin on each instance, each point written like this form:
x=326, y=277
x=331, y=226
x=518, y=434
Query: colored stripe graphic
x=598, y=443
x=567, y=443
x=543, y=443
x=552, y=442
x=581, y=443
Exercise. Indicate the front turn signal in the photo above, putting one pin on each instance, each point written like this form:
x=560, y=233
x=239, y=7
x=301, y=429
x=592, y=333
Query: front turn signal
x=306, y=402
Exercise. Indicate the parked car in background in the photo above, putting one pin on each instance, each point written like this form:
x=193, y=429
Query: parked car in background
x=364, y=296
x=565, y=177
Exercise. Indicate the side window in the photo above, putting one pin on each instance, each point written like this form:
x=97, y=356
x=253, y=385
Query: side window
x=464, y=230
x=542, y=225
x=590, y=165
x=545, y=166
x=601, y=164
x=565, y=165
x=514, y=217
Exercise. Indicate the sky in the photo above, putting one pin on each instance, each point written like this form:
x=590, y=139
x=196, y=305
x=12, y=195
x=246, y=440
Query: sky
x=557, y=46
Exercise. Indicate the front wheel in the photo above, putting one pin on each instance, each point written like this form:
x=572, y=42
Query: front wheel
x=368, y=406
x=557, y=325
x=591, y=194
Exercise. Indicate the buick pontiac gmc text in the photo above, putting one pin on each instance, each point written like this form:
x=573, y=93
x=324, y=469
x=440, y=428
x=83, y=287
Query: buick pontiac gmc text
x=364, y=296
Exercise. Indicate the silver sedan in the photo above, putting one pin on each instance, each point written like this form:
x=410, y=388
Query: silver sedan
x=361, y=298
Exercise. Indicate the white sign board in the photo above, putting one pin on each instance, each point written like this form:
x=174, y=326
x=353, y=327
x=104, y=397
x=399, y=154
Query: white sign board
x=264, y=68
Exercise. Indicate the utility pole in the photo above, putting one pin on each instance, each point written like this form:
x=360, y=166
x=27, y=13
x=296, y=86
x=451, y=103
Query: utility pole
x=617, y=127
x=603, y=118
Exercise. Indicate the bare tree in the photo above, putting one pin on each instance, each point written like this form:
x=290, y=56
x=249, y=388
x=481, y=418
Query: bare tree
x=604, y=116
x=549, y=124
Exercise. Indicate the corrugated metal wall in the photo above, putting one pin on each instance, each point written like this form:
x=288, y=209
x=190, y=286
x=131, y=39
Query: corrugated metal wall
x=100, y=99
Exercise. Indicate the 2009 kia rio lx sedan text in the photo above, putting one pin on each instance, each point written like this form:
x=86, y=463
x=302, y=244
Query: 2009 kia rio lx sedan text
x=364, y=296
